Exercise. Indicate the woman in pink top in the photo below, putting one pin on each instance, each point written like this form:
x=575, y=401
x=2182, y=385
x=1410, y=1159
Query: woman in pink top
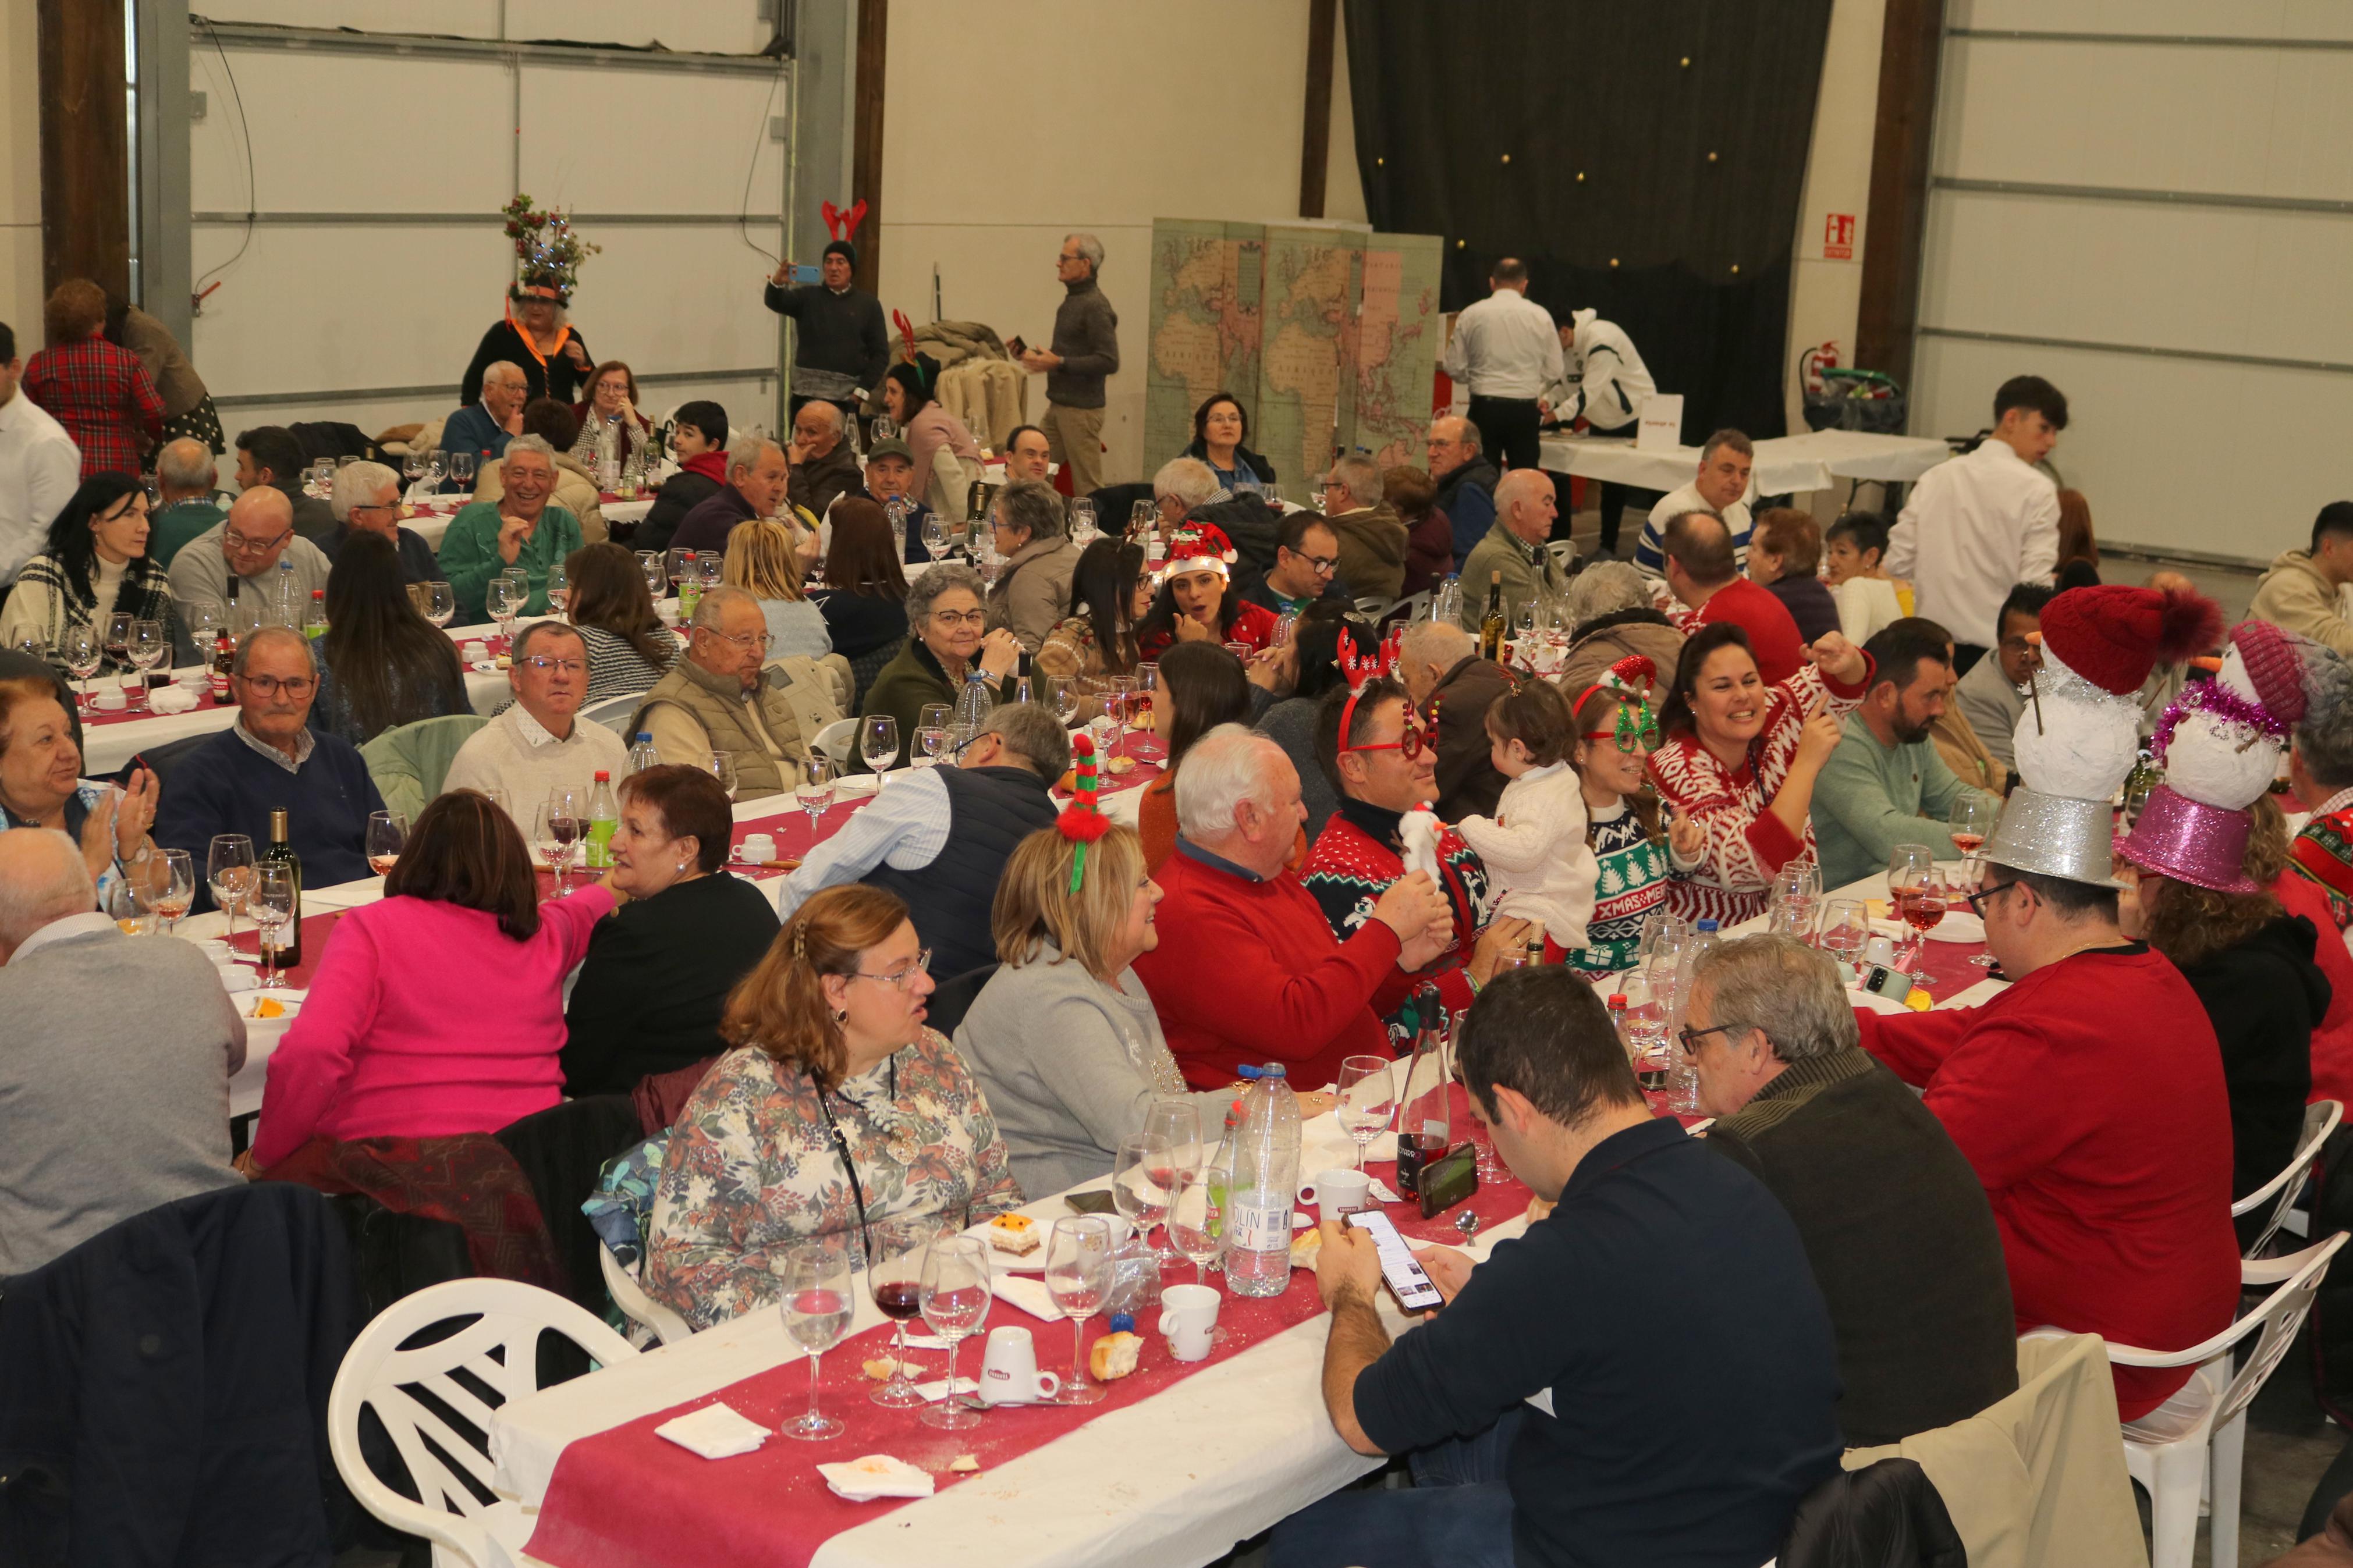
x=440, y=1010
x=935, y=437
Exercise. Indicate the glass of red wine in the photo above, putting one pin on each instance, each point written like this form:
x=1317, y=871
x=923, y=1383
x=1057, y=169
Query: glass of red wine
x=558, y=832
x=894, y=1273
x=1919, y=896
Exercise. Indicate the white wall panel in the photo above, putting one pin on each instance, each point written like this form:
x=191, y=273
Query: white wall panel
x=686, y=299
x=617, y=139
x=708, y=27
x=343, y=133
x=459, y=18
x=2191, y=18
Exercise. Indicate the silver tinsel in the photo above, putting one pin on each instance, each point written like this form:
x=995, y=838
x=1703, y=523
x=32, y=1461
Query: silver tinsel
x=2056, y=836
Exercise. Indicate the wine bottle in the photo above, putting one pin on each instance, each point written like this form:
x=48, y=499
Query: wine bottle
x=281, y=852
x=224, y=649
x=1492, y=624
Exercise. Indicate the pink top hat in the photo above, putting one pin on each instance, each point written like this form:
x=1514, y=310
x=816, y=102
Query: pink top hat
x=2205, y=845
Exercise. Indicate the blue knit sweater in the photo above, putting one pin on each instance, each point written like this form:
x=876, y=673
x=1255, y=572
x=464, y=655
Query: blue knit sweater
x=226, y=786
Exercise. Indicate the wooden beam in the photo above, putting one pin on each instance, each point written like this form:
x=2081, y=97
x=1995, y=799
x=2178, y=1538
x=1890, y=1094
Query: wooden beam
x=1910, y=50
x=866, y=149
x=85, y=145
x=1315, y=131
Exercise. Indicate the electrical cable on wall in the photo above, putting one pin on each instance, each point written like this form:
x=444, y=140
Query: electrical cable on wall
x=744, y=208
x=252, y=195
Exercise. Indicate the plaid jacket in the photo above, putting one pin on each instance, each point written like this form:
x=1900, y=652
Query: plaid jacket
x=105, y=399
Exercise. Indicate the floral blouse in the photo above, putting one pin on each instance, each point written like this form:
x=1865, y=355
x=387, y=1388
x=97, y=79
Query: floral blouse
x=753, y=1169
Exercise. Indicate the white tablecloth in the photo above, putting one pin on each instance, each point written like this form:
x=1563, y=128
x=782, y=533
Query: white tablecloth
x=1785, y=465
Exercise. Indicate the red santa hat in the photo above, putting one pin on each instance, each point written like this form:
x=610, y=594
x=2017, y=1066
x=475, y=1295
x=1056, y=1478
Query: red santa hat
x=1198, y=547
x=2113, y=636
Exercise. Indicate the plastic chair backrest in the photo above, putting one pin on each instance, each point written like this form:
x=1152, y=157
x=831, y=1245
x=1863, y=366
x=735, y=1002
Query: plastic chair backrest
x=450, y=1473
x=1412, y=607
x=637, y=1306
x=616, y=713
x=2281, y=1315
x=835, y=739
x=2320, y=1118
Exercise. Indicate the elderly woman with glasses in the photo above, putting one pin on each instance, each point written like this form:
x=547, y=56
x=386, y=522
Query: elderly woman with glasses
x=836, y=1109
x=946, y=621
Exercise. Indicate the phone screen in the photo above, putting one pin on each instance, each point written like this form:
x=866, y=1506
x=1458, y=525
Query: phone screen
x=1399, y=1271
x=1091, y=1203
x=1447, y=1181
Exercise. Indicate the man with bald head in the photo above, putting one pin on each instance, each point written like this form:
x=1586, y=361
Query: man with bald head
x=1465, y=480
x=120, y=1053
x=246, y=547
x=1703, y=574
x=1514, y=547
x=185, y=474
x=484, y=429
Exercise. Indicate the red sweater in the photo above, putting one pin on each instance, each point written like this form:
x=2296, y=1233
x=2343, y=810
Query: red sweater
x=2089, y=1099
x=2332, y=1039
x=1249, y=972
x=1772, y=631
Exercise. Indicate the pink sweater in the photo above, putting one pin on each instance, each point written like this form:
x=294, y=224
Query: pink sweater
x=425, y=1020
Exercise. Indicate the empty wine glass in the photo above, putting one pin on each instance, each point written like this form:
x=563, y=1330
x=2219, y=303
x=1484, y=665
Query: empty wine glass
x=1845, y=932
x=1122, y=701
x=273, y=901
x=148, y=647
x=461, y=468
x=556, y=832
x=815, y=792
x=229, y=871
x=1796, y=889
x=894, y=1274
x=1065, y=695
x=502, y=603
x=650, y=564
x=1141, y=518
x=387, y=833
x=1196, y=1219
x=1079, y=1266
x=956, y=1285
x=815, y=1304
x=878, y=744
x=1365, y=1100
x=935, y=537
x=559, y=588
x=722, y=768
x=444, y=602
x=82, y=653
x=167, y=888
x=435, y=467
x=1082, y=522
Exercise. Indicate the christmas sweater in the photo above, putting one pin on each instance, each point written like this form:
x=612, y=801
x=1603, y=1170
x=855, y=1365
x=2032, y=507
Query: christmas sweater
x=1632, y=883
x=1356, y=859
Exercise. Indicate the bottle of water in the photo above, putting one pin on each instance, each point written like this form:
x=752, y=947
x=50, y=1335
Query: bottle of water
x=286, y=604
x=1446, y=604
x=1266, y=1187
x=1683, y=1081
x=642, y=754
x=972, y=710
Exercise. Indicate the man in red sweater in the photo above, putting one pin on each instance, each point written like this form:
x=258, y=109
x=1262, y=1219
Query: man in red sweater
x=1702, y=572
x=1247, y=970
x=2089, y=1099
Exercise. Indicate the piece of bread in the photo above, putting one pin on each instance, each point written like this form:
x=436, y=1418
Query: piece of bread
x=1014, y=1233
x=1304, y=1245
x=1120, y=766
x=964, y=1464
x=1114, y=1356
x=878, y=1368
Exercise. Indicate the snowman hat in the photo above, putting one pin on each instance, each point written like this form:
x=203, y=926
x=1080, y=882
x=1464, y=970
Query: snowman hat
x=1197, y=547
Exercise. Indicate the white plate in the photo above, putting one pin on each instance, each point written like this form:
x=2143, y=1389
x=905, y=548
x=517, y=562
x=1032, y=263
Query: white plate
x=1958, y=925
x=1877, y=1003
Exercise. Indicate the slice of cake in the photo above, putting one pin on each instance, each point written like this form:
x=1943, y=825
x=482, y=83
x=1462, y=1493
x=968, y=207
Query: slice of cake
x=1016, y=1233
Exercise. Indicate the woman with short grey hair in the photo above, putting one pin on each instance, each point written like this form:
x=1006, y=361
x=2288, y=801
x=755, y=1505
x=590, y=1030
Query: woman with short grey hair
x=947, y=641
x=1614, y=612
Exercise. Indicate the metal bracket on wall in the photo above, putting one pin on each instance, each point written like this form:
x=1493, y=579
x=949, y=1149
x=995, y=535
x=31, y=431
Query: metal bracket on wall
x=447, y=391
x=2152, y=197
x=2147, y=351
x=2177, y=40
x=469, y=220
x=255, y=36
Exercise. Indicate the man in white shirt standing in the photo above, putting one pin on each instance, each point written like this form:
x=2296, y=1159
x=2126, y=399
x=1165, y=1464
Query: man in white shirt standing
x=1721, y=486
x=1506, y=351
x=1978, y=525
x=540, y=744
x=40, y=468
x=1606, y=385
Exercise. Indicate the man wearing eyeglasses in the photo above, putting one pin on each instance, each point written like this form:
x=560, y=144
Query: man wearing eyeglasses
x=270, y=759
x=1452, y=685
x=725, y=696
x=1306, y=567
x=367, y=500
x=1370, y=535
x=246, y=545
x=539, y=743
x=523, y=527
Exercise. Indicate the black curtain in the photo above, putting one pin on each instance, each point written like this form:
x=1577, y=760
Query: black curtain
x=1645, y=159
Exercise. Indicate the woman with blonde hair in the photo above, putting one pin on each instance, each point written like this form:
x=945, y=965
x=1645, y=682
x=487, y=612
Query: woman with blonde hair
x=1063, y=1038
x=835, y=1107
x=762, y=561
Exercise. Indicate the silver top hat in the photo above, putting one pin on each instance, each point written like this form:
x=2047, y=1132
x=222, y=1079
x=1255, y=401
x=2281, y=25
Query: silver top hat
x=2054, y=836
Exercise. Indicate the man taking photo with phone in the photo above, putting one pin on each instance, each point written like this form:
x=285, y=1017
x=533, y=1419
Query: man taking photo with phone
x=1589, y=1448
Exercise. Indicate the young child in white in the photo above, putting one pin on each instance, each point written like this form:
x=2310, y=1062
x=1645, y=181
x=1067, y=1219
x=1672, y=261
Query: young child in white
x=1534, y=847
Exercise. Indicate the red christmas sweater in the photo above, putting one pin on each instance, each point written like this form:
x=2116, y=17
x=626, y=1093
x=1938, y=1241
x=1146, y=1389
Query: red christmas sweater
x=2089, y=1099
x=1253, y=624
x=1249, y=972
x=1351, y=867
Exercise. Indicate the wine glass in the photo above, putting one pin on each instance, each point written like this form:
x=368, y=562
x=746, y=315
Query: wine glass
x=1196, y=1218
x=148, y=647
x=681, y=566
x=1078, y=1266
x=1796, y=889
x=815, y=1305
x=1123, y=697
x=559, y=588
x=503, y=604
x=894, y=1273
x=461, y=468
x=1846, y=932
x=932, y=734
x=444, y=602
x=168, y=887
x=1644, y=1022
x=1082, y=522
x=1140, y=519
x=878, y=743
x=650, y=564
x=322, y=477
x=1924, y=911
x=1065, y=697
x=1179, y=1122
x=83, y=654
x=229, y=868
x=387, y=834
x=1366, y=1099
x=273, y=900
x=936, y=538
x=1909, y=866
x=957, y=1287
x=412, y=466
x=556, y=832
x=117, y=639
x=435, y=467
x=1141, y=1173
x=815, y=792
x=1970, y=820
x=722, y=768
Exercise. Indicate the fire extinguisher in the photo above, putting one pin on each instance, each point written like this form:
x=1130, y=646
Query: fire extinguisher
x=1815, y=361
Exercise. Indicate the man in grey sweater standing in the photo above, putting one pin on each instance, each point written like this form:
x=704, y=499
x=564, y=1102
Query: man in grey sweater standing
x=120, y=1053
x=1085, y=353
x=843, y=345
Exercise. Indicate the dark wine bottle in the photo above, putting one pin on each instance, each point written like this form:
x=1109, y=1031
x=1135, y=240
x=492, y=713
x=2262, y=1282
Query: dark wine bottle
x=282, y=853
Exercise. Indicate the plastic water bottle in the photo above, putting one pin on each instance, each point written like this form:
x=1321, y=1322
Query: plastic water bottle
x=1266, y=1187
x=972, y=711
x=1683, y=1083
x=1446, y=604
x=604, y=815
x=642, y=754
x=286, y=604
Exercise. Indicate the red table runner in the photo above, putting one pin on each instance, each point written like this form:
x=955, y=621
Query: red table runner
x=627, y=1499
x=315, y=930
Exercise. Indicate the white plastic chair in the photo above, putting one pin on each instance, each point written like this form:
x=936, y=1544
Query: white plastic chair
x=1374, y=606
x=616, y=713
x=453, y=1474
x=835, y=739
x=636, y=1305
x=1563, y=553
x=2207, y=1456
x=2320, y=1118
x=1412, y=607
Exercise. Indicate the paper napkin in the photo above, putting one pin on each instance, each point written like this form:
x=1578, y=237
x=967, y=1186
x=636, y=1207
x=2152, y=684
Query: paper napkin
x=715, y=1431
x=938, y=1389
x=877, y=1476
x=1029, y=1294
x=1380, y=1192
x=172, y=699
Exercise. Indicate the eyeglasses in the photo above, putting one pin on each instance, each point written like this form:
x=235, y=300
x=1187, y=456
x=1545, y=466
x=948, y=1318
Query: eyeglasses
x=269, y=685
x=741, y=639
x=375, y=506
x=904, y=977
x=1325, y=564
x=1691, y=1037
x=1976, y=901
x=545, y=665
x=1411, y=743
x=238, y=542
x=961, y=618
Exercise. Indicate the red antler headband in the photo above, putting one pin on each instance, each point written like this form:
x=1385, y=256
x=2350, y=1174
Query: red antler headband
x=1082, y=821
x=1362, y=673
x=844, y=225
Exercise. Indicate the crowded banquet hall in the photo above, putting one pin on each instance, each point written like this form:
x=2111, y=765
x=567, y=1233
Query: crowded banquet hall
x=1383, y=827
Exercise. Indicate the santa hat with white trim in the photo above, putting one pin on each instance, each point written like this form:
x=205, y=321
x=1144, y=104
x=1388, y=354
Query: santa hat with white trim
x=1198, y=547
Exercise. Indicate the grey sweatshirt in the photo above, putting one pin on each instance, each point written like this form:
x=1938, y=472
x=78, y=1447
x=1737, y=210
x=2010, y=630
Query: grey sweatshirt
x=1069, y=1065
x=1086, y=334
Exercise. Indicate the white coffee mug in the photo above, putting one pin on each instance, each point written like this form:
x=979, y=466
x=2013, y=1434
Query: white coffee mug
x=759, y=847
x=1188, y=1315
x=1338, y=1192
x=475, y=652
x=1008, y=1370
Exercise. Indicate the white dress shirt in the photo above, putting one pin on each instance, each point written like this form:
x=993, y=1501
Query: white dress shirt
x=1605, y=380
x=1976, y=527
x=40, y=468
x=904, y=826
x=1504, y=346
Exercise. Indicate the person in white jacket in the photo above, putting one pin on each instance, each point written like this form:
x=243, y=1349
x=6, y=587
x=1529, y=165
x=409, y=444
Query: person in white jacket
x=1604, y=382
x=1534, y=847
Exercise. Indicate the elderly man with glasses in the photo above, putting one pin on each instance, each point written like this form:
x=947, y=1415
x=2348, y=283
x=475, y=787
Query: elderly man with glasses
x=539, y=743
x=523, y=527
x=1370, y=535
x=246, y=547
x=724, y=698
x=1306, y=567
x=367, y=500
x=270, y=760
